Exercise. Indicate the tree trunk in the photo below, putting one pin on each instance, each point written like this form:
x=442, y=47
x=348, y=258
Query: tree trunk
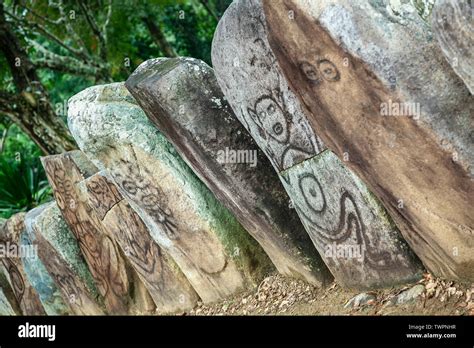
x=32, y=109
x=159, y=37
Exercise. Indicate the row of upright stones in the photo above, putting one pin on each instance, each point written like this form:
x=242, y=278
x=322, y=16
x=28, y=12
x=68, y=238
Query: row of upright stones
x=151, y=217
x=337, y=209
x=394, y=100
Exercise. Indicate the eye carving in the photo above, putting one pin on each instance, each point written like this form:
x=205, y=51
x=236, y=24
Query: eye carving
x=271, y=109
x=325, y=69
x=130, y=187
x=310, y=71
x=271, y=119
x=278, y=128
x=328, y=70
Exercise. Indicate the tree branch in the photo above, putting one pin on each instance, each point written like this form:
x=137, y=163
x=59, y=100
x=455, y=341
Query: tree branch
x=95, y=30
x=69, y=28
x=159, y=37
x=44, y=19
x=10, y=105
x=107, y=20
x=46, y=33
x=208, y=9
x=30, y=107
x=62, y=63
x=4, y=136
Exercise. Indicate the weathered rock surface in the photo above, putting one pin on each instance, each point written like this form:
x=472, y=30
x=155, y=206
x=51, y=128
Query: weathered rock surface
x=247, y=72
x=212, y=249
x=8, y=302
x=11, y=259
x=106, y=263
x=349, y=227
x=61, y=256
x=182, y=98
x=5, y=306
x=406, y=296
x=382, y=92
x=36, y=273
x=167, y=285
x=360, y=300
x=453, y=25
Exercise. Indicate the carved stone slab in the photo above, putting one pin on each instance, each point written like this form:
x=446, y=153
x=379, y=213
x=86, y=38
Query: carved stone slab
x=212, y=249
x=49, y=294
x=5, y=305
x=101, y=253
x=453, y=25
x=167, y=285
x=359, y=241
x=182, y=98
x=382, y=92
x=9, y=302
x=247, y=69
x=25, y=294
x=262, y=101
x=61, y=256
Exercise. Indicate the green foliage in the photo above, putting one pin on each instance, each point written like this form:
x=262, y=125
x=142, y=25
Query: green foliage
x=192, y=28
x=23, y=185
x=17, y=142
x=187, y=25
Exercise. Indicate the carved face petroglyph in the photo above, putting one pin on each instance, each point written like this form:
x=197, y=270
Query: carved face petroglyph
x=328, y=70
x=310, y=71
x=281, y=128
x=262, y=60
x=283, y=144
x=272, y=119
x=321, y=69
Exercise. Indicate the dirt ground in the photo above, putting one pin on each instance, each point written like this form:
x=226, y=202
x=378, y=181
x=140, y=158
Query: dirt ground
x=277, y=295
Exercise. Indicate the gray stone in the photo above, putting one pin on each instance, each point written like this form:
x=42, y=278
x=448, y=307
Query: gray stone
x=247, y=71
x=350, y=228
x=114, y=277
x=406, y=296
x=5, y=306
x=376, y=84
x=167, y=285
x=212, y=249
x=182, y=98
x=49, y=294
x=360, y=300
x=9, y=301
x=61, y=256
x=13, y=269
x=453, y=25
x=340, y=214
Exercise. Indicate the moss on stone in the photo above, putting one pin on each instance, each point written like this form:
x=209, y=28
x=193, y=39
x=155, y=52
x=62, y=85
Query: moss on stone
x=5, y=307
x=55, y=230
x=39, y=278
x=115, y=118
